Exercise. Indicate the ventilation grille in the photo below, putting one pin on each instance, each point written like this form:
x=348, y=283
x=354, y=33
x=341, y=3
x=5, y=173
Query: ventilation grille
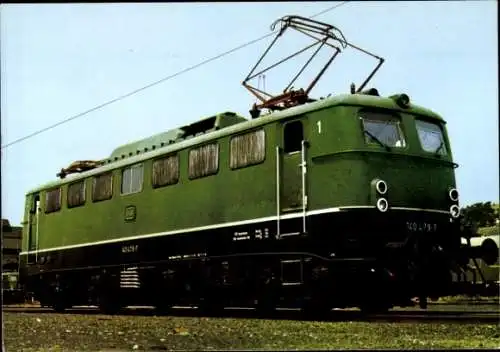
x=129, y=278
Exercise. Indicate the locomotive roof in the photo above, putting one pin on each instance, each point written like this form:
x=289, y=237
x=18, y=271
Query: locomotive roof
x=175, y=135
x=237, y=124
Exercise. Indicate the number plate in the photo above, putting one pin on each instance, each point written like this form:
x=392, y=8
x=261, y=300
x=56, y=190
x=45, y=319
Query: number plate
x=421, y=226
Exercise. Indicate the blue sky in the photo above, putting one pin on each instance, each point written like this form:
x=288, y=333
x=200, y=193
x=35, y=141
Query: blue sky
x=59, y=60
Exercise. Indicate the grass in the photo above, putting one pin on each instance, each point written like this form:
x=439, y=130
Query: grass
x=56, y=332
x=489, y=231
x=462, y=299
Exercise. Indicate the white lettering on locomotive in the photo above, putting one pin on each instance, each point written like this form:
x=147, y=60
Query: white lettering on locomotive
x=130, y=248
x=415, y=226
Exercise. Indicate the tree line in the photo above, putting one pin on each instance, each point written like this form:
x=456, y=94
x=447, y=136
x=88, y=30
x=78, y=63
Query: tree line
x=482, y=214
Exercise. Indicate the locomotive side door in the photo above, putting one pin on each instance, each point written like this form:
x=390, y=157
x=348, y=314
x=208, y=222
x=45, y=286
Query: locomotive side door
x=291, y=172
x=33, y=227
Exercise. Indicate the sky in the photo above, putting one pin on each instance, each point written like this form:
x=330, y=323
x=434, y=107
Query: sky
x=58, y=60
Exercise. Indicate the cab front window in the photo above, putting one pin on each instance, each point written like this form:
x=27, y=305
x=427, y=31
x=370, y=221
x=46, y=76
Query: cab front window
x=431, y=137
x=384, y=130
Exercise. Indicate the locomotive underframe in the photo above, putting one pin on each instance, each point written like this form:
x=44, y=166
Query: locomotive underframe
x=356, y=257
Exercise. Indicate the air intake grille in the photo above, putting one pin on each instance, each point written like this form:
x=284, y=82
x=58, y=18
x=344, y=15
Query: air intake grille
x=129, y=278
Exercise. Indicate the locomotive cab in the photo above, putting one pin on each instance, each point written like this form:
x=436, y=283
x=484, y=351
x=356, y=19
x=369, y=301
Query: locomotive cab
x=386, y=168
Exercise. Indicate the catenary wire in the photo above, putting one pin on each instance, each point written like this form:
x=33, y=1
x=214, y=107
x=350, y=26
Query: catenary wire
x=121, y=97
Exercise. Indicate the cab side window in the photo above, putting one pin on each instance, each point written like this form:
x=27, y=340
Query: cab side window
x=293, y=134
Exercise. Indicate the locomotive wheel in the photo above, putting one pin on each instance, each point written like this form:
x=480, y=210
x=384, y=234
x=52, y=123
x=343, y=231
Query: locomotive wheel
x=266, y=301
x=316, y=309
x=374, y=308
x=44, y=301
x=108, y=293
x=109, y=305
x=110, y=308
x=378, y=303
x=167, y=292
x=211, y=306
x=265, y=305
x=163, y=307
x=164, y=300
x=59, y=298
x=268, y=292
x=213, y=300
x=59, y=306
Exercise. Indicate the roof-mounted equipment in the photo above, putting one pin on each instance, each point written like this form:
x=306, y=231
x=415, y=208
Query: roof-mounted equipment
x=164, y=139
x=324, y=35
x=402, y=100
x=371, y=91
x=79, y=166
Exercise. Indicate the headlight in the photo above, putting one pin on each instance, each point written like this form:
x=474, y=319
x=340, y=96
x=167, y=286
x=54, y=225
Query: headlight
x=382, y=205
x=453, y=194
x=454, y=211
x=403, y=100
x=381, y=187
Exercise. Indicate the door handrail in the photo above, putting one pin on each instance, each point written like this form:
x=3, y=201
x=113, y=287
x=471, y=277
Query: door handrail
x=304, y=193
x=278, y=191
x=37, y=226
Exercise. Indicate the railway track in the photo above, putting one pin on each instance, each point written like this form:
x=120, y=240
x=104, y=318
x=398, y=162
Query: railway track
x=435, y=313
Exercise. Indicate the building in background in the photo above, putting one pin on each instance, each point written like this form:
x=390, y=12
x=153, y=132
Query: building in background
x=11, y=246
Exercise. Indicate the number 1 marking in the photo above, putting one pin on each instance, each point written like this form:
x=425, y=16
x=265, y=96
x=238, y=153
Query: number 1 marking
x=319, y=126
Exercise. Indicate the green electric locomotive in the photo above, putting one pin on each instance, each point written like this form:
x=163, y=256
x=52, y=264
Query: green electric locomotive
x=337, y=202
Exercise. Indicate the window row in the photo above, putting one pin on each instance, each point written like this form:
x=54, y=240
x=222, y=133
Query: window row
x=387, y=130
x=245, y=150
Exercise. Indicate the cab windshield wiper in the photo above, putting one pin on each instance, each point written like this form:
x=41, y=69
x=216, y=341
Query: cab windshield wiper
x=377, y=140
x=441, y=145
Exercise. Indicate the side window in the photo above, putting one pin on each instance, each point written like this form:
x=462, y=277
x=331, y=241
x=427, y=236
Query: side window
x=204, y=161
x=248, y=149
x=165, y=171
x=102, y=187
x=76, y=194
x=132, y=179
x=53, y=200
x=293, y=135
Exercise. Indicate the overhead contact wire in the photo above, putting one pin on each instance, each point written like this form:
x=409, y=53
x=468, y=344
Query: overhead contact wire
x=121, y=97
